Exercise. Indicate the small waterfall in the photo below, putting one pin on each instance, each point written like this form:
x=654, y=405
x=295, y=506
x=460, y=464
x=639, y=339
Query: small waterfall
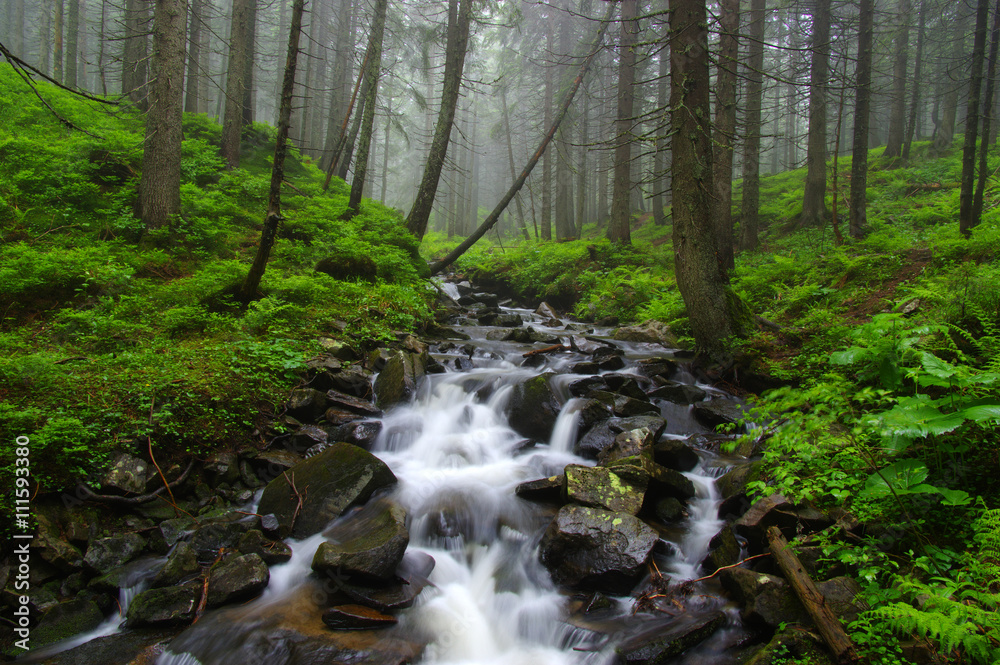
x=700, y=527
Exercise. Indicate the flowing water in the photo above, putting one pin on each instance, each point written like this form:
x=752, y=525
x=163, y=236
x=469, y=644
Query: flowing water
x=490, y=601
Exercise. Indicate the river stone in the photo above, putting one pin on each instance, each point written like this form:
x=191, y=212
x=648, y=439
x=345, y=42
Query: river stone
x=166, y=606
x=719, y=411
x=308, y=436
x=600, y=487
x=581, y=344
x=208, y=539
x=354, y=380
x=609, y=363
x=66, y=620
x=663, y=643
x=628, y=444
x=224, y=467
x=534, y=407
x=339, y=477
x=723, y=550
x=236, y=579
x=597, y=550
x=357, y=617
x=668, y=509
x=764, y=513
x=339, y=350
x=351, y=404
x=743, y=584
x=272, y=552
x=361, y=433
x=583, y=387
x=487, y=299
x=53, y=549
x=624, y=384
x=103, y=554
x=678, y=393
x=410, y=580
x=675, y=454
x=270, y=463
x=370, y=544
x=602, y=435
x=734, y=482
x=127, y=475
x=653, y=367
x=651, y=332
x=546, y=311
x=536, y=335
x=306, y=404
x=795, y=643
x=397, y=382
x=181, y=563
x=624, y=406
x=549, y=490
x=664, y=482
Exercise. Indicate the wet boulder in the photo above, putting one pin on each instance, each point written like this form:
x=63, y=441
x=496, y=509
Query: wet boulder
x=625, y=384
x=675, y=454
x=623, y=405
x=633, y=443
x=544, y=489
x=534, y=407
x=397, y=382
x=369, y=545
x=308, y=436
x=128, y=475
x=719, y=411
x=66, y=620
x=221, y=533
x=223, y=467
x=546, y=311
x=344, y=408
x=487, y=299
x=105, y=554
x=361, y=433
x=678, y=393
x=732, y=487
x=582, y=387
x=664, y=482
x=658, y=367
x=602, y=435
x=723, y=550
x=306, y=404
x=164, y=606
x=339, y=477
x=763, y=513
x=650, y=332
x=182, y=563
x=236, y=579
x=662, y=643
x=668, y=509
x=272, y=552
x=600, y=487
x=53, y=548
x=597, y=550
x=353, y=380
x=401, y=592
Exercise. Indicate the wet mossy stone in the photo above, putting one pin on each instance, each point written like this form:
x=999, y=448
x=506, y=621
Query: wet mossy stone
x=675, y=454
x=652, y=647
x=544, y=489
x=719, y=411
x=534, y=407
x=397, y=382
x=164, y=606
x=127, y=475
x=105, y=554
x=369, y=544
x=66, y=620
x=723, y=550
x=596, y=550
x=339, y=477
x=236, y=579
x=602, y=434
x=600, y=487
x=306, y=404
x=678, y=393
x=182, y=563
x=272, y=552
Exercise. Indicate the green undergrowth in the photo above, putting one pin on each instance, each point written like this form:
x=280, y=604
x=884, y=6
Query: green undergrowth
x=111, y=340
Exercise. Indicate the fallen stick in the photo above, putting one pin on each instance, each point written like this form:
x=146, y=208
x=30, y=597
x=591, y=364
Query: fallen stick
x=547, y=349
x=805, y=590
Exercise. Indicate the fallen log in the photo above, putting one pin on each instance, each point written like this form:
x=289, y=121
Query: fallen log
x=547, y=349
x=805, y=590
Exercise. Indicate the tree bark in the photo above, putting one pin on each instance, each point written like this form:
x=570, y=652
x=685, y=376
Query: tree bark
x=459, y=15
x=57, y=43
x=248, y=291
x=564, y=169
x=248, y=59
x=547, y=120
x=750, y=207
x=72, y=43
x=966, y=219
x=659, y=154
x=191, y=98
x=340, y=86
x=911, y=125
x=232, y=124
x=160, y=183
x=991, y=71
x=814, y=199
x=702, y=285
x=725, y=129
x=897, y=114
x=619, y=228
x=135, y=76
x=510, y=158
x=492, y=218
x=944, y=134
x=372, y=73
x=858, y=212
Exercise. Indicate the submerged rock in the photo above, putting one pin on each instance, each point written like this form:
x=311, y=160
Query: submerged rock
x=357, y=617
x=596, y=550
x=339, y=477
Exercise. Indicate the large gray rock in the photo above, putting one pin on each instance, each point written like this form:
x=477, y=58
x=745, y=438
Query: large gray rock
x=53, y=548
x=411, y=578
x=592, y=549
x=659, y=645
x=327, y=484
x=678, y=393
x=369, y=545
x=723, y=550
x=272, y=552
x=719, y=411
x=600, y=487
x=107, y=553
x=397, y=382
x=343, y=408
x=361, y=433
x=236, y=579
x=623, y=405
x=306, y=404
x=225, y=532
x=602, y=435
x=675, y=454
x=164, y=606
x=652, y=332
x=182, y=563
x=127, y=475
x=66, y=620
x=633, y=443
x=534, y=407
x=353, y=380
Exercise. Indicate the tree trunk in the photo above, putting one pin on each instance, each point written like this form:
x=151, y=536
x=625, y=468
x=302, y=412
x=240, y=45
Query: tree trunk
x=309, y=87
x=858, y=213
x=991, y=72
x=814, y=199
x=232, y=124
x=57, y=42
x=659, y=155
x=725, y=129
x=18, y=28
x=160, y=183
x=385, y=148
x=549, y=156
x=750, y=208
x=510, y=157
x=492, y=218
x=702, y=285
x=459, y=14
x=195, y=65
x=248, y=59
x=374, y=57
x=583, y=172
x=619, y=229
x=44, y=39
x=944, y=134
x=72, y=44
x=911, y=125
x=564, y=169
x=341, y=81
x=897, y=114
x=134, y=71
x=966, y=218
x=249, y=289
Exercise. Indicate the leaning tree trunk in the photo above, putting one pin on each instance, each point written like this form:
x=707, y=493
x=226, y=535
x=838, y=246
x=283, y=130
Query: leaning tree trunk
x=368, y=121
x=160, y=183
x=248, y=291
x=236, y=82
x=494, y=216
x=897, y=113
x=814, y=199
x=862, y=112
x=459, y=14
x=702, y=286
x=750, y=210
x=725, y=129
x=619, y=229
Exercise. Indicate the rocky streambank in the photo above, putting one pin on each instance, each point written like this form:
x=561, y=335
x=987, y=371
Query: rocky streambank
x=213, y=539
